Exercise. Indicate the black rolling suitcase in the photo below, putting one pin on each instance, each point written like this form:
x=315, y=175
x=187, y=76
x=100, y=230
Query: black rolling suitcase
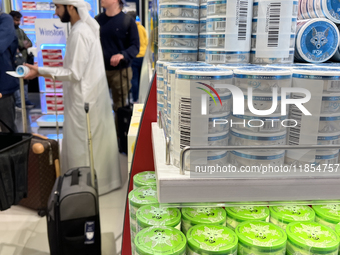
x=73, y=210
x=124, y=115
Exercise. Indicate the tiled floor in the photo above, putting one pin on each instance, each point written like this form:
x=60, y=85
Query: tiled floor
x=23, y=232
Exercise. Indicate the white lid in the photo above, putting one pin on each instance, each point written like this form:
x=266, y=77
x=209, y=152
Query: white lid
x=202, y=71
x=181, y=4
x=235, y=65
x=247, y=133
x=188, y=64
x=219, y=115
x=261, y=153
x=317, y=71
x=177, y=50
x=326, y=152
x=335, y=116
x=179, y=35
x=179, y=20
x=220, y=135
x=329, y=134
x=267, y=71
x=330, y=94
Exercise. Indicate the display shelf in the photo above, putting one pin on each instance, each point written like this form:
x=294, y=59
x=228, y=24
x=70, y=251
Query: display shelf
x=173, y=187
x=50, y=121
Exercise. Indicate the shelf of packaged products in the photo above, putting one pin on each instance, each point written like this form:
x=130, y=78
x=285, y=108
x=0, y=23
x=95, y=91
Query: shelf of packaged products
x=37, y=11
x=173, y=187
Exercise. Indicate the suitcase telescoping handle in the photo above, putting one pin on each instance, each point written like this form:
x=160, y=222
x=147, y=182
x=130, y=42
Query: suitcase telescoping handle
x=87, y=109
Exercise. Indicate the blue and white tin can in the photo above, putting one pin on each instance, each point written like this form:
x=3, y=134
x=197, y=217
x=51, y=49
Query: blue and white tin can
x=221, y=56
x=216, y=8
x=292, y=31
x=326, y=157
x=187, y=55
x=160, y=82
x=256, y=124
x=263, y=101
x=262, y=79
x=236, y=65
x=179, y=11
x=329, y=123
x=329, y=9
x=202, y=40
x=245, y=138
x=326, y=78
x=290, y=66
x=159, y=67
x=201, y=54
x=203, y=11
x=219, y=123
x=215, y=40
x=330, y=103
x=195, y=2
x=203, y=25
x=216, y=24
x=272, y=60
x=317, y=40
x=178, y=26
x=329, y=138
x=257, y=158
x=179, y=41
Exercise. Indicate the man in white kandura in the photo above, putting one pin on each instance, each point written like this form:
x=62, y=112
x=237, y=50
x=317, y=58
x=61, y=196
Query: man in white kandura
x=84, y=80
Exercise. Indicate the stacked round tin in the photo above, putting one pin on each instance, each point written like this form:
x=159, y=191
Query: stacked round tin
x=178, y=30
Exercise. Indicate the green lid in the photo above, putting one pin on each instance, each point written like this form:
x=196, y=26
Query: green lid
x=261, y=235
x=155, y=215
x=160, y=240
x=204, y=215
x=143, y=196
x=291, y=213
x=244, y=213
x=147, y=178
x=312, y=236
x=337, y=229
x=290, y=202
x=212, y=239
x=329, y=212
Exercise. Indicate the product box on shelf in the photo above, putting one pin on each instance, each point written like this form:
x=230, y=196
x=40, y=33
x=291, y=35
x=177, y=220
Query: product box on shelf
x=132, y=136
x=29, y=20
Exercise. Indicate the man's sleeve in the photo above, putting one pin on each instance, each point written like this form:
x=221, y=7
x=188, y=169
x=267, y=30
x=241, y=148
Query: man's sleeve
x=132, y=51
x=27, y=39
x=77, y=64
x=7, y=32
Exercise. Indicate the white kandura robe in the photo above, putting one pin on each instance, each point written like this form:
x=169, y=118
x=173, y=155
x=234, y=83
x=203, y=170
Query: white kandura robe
x=84, y=80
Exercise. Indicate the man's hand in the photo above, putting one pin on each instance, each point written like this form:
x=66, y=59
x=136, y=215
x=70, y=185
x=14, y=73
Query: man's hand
x=34, y=73
x=115, y=59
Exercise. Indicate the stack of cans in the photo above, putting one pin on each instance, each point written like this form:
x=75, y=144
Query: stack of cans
x=178, y=30
x=160, y=86
x=261, y=88
x=324, y=86
x=198, y=103
x=202, y=30
x=228, y=31
x=311, y=9
x=317, y=40
x=273, y=31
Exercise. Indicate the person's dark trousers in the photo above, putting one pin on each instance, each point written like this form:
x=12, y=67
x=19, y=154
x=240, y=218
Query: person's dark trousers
x=136, y=69
x=7, y=112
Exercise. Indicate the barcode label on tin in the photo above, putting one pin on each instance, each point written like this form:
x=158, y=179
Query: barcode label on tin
x=212, y=42
x=274, y=10
x=215, y=58
x=211, y=9
x=242, y=21
x=220, y=25
x=333, y=86
x=270, y=126
x=184, y=121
